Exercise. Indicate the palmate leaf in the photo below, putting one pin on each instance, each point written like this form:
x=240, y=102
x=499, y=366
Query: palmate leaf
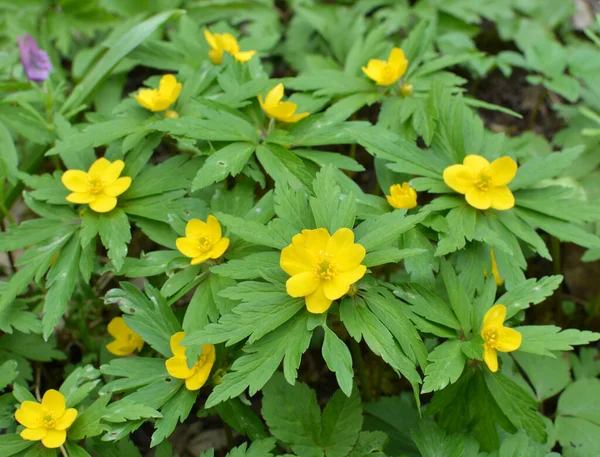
x=380, y=231
x=543, y=339
x=331, y=209
x=115, y=234
x=229, y=160
x=446, y=364
x=338, y=359
x=175, y=410
x=528, y=292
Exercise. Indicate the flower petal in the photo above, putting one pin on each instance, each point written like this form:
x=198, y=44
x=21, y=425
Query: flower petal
x=54, y=438
x=65, y=421
x=509, y=340
x=34, y=434
x=398, y=62
x=99, y=167
x=479, y=199
x=275, y=95
x=112, y=172
x=146, y=97
x=302, y=284
x=336, y=287
x=200, y=376
x=178, y=368
x=296, y=259
x=120, y=348
x=495, y=316
x=200, y=258
x=30, y=414
x=118, y=329
x=459, y=178
x=216, y=56
x=103, y=203
x=244, y=56
x=195, y=228
x=502, y=198
x=210, y=39
x=219, y=248
x=475, y=162
x=340, y=240
x=503, y=170
x=54, y=401
x=350, y=257
x=317, y=302
x=374, y=69
x=316, y=240
x=175, y=344
x=75, y=180
x=118, y=187
x=296, y=117
x=81, y=198
x=490, y=357
x=214, y=228
x=354, y=275
x=188, y=247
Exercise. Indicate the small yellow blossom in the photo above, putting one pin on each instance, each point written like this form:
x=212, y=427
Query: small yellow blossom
x=99, y=186
x=484, y=184
x=225, y=42
x=47, y=421
x=387, y=72
x=496, y=337
x=406, y=90
x=203, y=240
x=495, y=272
x=171, y=114
x=163, y=97
x=322, y=266
x=126, y=340
x=402, y=196
x=275, y=108
x=177, y=366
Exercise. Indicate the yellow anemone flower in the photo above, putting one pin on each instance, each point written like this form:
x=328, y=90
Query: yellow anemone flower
x=126, y=340
x=483, y=183
x=225, y=42
x=402, y=196
x=387, y=72
x=99, y=187
x=496, y=337
x=495, y=272
x=203, y=240
x=275, y=108
x=177, y=366
x=322, y=266
x=47, y=421
x=163, y=97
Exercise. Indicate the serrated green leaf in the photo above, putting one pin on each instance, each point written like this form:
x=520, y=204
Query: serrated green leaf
x=340, y=424
x=543, y=339
x=89, y=422
x=225, y=162
x=446, y=364
x=8, y=373
x=385, y=229
x=338, y=359
x=331, y=209
x=125, y=410
x=12, y=444
x=115, y=234
x=242, y=419
x=175, y=410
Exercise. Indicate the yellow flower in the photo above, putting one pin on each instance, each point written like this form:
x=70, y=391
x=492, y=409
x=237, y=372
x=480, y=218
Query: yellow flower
x=163, y=97
x=203, y=240
x=495, y=272
x=275, y=108
x=225, y=42
x=177, y=367
x=47, y=421
x=99, y=187
x=322, y=267
x=402, y=196
x=387, y=72
x=483, y=183
x=496, y=337
x=126, y=340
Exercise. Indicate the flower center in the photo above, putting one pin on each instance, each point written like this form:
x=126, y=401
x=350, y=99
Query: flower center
x=95, y=184
x=48, y=420
x=387, y=73
x=204, y=244
x=483, y=182
x=325, y=269
x=490, y=336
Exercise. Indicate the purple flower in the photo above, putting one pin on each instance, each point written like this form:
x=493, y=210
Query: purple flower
x=35, y=61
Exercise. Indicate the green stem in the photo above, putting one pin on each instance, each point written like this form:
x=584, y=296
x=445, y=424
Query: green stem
x=556, y=266
x=362, y=373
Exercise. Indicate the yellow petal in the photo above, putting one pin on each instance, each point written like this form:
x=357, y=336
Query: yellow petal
x=200, y=376
x=30, y=414
x=219, y=248
x=75, y=180
x=479, y=199
x=350, y=257
x=118, y=329
x=54, y=401
x=103, y=203
x=117, y=187
x=295, y=260
x=502, y=198
x=210, y=39
x=161, y=103
x=398, y=62
x=275, y=95
x=374, y=69
x=54, y=438
x=177, y=367
x=195, y=228
x=282, y=111
x=175, y=344
x=81, y=198
x=340, y=240
x=112, y=172
x=65, y=421
x=475, y=162
x=99, y=167
x=353, y=275
x=216, y=56
x=296, y=117
x=244, y=56
x=168, y=86
x=188, y=247
x=459, y=178
x=509, y=340
x=317, y=302
x=200, y=258
x=146, y=97
x=316, y=240
x=495, y=316
x=503, y=170
x=120, y=348
x=302, y=284
x=497, y=278
x=33, y=434
x=229, y=43
x=490, y=357
x=336, y=287
x=214, y=228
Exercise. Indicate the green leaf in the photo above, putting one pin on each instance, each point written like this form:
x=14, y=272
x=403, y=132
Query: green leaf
x=369, y=444
x=543, y=339
x=79, y=384
x=548, y=376
x=433, y=441
x=283, y=166
x=117, y=50
x=380, y=231
x=330, y=208
x=293, y=415
x=89, y=423
x=175, y=410
x=252, y=232
x=338, y=359
x=126, y=410
x=428, y=305
x=259, y=448
x=115, y=233
x=537, y=169
x=341, y=422
x=136, y=372
x=12, y=444
x=34, y=231
x=251, y=266
x=225, y=162
x=528, y=292
x=457, y=295
x=8, y=373
x=389, y=255
x=447, y=363
x=462, y=220
x=242, y=419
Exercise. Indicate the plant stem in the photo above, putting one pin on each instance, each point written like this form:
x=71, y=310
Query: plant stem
x=556, y=265
x=362, y=374
x=536, y=109
x=63, y=451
